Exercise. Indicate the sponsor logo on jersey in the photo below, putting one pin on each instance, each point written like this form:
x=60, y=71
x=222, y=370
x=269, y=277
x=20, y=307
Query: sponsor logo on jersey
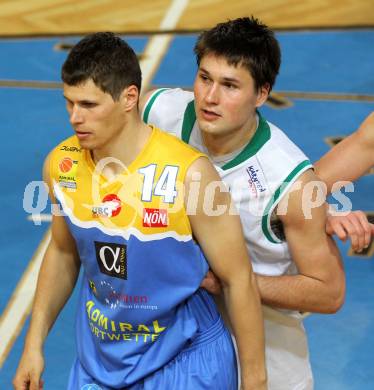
x=110, y=207
x=93, y=287
x=109, y=329
x=66, y=148
x=112, y=259
x=129, y=298
x=67, y=169
x=155, y=217
x=106, y=293
x=255, y=180
x=91, y=386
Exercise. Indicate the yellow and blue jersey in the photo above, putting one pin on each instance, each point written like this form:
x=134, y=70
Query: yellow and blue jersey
x=140, y=302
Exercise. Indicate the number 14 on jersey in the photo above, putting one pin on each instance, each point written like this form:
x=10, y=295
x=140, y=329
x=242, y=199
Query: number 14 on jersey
x=165, y=185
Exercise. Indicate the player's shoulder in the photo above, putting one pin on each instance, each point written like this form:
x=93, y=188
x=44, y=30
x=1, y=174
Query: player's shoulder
x=170, y=150
x=169, y=143
x=277, y=135
x=168, y=93
x=167, y=100
x=62, y=157
x=69, y=145
x=169, y=110
x=66, y=151
x=281, y=144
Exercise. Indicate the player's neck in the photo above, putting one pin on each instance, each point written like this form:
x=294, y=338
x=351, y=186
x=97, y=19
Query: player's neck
x=225, y=143
x=125, y=147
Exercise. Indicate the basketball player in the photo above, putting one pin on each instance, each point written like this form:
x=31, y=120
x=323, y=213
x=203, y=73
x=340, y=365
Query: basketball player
x=298, y=268
x=142, y=321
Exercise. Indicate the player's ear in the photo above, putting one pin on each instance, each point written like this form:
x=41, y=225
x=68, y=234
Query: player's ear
x=262, y=94
x=130, y=97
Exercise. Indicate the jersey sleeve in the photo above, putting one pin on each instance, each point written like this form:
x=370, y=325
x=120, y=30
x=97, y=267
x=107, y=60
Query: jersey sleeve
x=166, y=109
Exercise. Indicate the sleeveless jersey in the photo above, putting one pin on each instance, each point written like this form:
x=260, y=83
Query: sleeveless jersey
x=140, y=302
x=258, y=178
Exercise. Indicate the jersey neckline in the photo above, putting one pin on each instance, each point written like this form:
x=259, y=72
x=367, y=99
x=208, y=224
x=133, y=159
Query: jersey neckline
x=127, y=169
x=261, y=136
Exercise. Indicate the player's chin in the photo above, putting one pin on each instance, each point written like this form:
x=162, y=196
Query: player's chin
x=87, y=144
x=208, y=126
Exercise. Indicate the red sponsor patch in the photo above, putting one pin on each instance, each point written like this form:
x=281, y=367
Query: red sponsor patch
x=110, y=207
x=155, y=218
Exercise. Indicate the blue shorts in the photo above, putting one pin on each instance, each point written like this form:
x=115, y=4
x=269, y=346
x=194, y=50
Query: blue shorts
x=208, y=363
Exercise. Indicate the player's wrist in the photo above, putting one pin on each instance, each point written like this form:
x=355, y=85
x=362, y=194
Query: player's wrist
x=254, y=379
x=34, y=343
x=254, y=384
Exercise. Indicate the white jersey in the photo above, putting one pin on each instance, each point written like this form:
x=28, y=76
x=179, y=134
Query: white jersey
x=258, y=178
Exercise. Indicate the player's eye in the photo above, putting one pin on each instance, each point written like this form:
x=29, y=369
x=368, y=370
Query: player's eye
x=204, y=77
x=88, y=104
x=230, y=85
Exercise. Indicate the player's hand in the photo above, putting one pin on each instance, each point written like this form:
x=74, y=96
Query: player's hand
x=29, y=371
x=211, y=284
x=354, y=226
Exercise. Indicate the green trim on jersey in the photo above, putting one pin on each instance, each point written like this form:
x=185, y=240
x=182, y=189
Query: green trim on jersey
x=274, y=200
x=150, y=103
x=189, y=120
x=261, y=136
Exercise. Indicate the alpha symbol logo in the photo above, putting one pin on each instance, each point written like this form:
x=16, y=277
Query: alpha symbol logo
x=112, y=259
x=155, y=217
x=114, y=255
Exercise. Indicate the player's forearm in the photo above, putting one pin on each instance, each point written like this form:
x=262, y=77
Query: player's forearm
x=330, y=170
x=244, y=309
x=301, y=293
x=56, y=281
x=347, y=161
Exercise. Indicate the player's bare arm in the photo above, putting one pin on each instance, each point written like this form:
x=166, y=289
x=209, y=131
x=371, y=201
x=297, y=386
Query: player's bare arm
x=347, y=161
x=350, y=158
x=222, y=241
x=56, y=281
x=319, y=285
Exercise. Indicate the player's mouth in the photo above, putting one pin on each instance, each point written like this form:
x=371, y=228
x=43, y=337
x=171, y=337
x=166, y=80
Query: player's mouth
x=82, y=134
x=209, y=115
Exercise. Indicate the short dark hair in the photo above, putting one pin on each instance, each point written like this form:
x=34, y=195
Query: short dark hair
x=106, y=59
x=243, y=41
